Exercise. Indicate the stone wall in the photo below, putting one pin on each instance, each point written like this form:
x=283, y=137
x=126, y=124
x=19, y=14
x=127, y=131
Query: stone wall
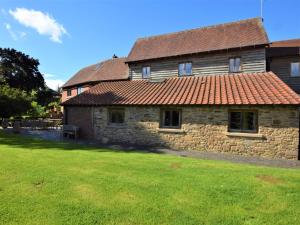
x=205, y=129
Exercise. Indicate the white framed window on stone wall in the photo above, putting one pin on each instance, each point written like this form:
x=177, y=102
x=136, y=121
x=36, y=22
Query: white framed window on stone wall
x=116, y=116
x=146, y=70
x=244, y=121
x=235, y=65
x=170, y=118
x=295, y=69
x=185, y=69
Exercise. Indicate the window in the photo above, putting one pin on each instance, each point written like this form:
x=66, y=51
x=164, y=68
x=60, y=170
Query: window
x=146, y=72
x=295, y=69
x=171, y=118
x=243, y=121
x=69, y=92
x=116, y=116
x=79, y=90
x=235, y=64
x=185, y=69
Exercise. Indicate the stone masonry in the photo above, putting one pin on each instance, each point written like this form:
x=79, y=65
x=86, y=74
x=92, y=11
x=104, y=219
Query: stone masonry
x=205, y=128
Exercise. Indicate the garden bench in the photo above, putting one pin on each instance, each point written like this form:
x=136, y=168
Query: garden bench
x=70, y=131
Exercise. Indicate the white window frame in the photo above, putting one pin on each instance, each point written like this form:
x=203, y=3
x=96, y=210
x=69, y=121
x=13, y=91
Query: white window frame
x=236, y=69
x=81, y=90
x=184, y=69
x=291, y=70
x=148, y=72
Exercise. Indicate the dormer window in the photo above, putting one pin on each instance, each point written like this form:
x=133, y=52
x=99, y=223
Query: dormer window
x=146, y=70
x=235, y=65
x=69, y=92
x=185, y=69
x=295, y=69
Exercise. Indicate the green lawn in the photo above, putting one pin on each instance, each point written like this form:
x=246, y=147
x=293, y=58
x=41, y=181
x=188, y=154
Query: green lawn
x=43, y=182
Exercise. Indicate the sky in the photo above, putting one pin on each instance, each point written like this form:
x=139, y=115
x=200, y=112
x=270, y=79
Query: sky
x=67, y=35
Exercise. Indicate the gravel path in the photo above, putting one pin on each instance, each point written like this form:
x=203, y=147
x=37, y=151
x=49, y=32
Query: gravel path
x=55, y=135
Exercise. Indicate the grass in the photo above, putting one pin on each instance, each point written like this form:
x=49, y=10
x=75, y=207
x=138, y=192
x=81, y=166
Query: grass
x=43, y=182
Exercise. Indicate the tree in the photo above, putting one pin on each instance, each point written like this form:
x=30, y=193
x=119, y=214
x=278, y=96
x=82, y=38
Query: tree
x=19, y=70
x=22, y=86
x=46, y=96
x=37, y=110
x=13, y=102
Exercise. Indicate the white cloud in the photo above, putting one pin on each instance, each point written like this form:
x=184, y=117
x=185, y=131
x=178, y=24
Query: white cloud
x=43, y=23
x=14, y=35
x=48, y=75
x=54, y=83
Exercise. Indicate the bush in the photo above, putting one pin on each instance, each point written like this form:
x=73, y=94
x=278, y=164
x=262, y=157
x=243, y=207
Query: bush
x=13, y=102
x=36, y=110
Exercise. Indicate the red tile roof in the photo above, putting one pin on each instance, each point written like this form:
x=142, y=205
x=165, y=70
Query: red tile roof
x=229, y=89
x=238, y=34
x=286, y=43
x=112, y=69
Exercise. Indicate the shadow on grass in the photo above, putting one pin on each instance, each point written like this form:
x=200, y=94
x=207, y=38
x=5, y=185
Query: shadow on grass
x=30, y=143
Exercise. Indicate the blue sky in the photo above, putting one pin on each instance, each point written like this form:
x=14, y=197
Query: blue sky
x=66, y=35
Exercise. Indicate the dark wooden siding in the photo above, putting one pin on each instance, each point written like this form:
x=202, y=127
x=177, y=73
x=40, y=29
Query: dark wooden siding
x=281, y=67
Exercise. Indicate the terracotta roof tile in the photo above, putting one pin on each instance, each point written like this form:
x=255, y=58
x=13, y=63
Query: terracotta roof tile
x=286, y=43
x=227, y=89
x=238, y=34
x=112, y=69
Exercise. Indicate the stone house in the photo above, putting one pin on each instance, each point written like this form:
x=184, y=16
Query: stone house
x=206, y=89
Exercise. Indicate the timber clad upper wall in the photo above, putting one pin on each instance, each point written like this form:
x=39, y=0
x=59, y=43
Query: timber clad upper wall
x=252, y=60
x=281, y=66
x=238, y=34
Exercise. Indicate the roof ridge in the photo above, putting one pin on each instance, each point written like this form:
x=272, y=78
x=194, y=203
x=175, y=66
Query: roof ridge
x=103, y=61
x=89, y=73
x=292, y=39
x=200, y=28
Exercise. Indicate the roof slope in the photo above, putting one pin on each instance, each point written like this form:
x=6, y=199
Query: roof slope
x=232, y=89
x=238, y=34
x=286, y=43
x=112, y=69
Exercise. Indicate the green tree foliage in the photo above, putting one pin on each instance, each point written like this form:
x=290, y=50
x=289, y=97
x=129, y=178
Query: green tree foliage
x=13, y=101
x=37, y=110
x=46, y=96
x=22, y=86
x=19, y=70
